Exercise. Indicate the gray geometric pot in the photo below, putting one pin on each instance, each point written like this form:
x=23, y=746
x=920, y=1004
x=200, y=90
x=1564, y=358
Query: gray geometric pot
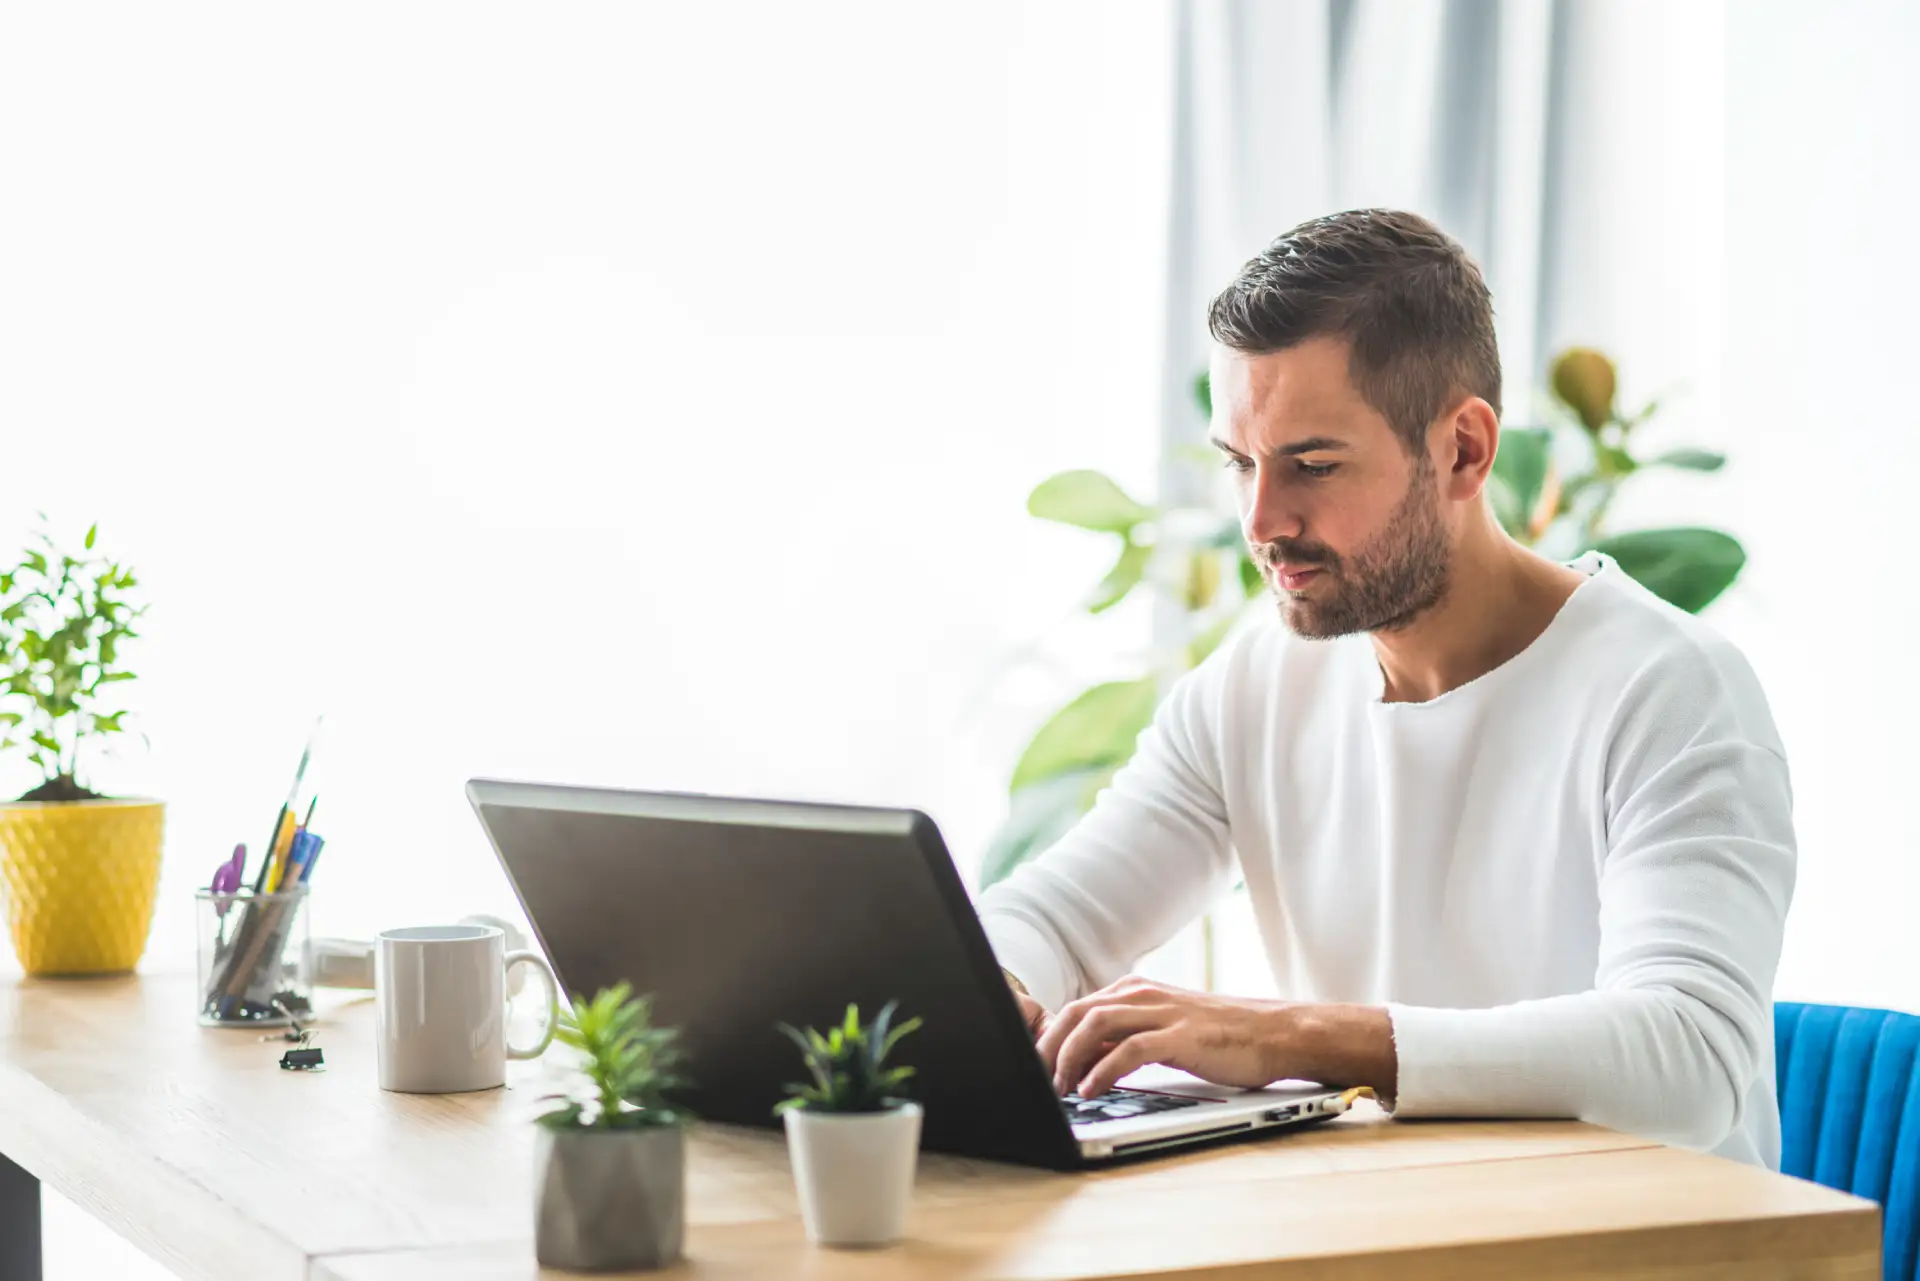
x=609, y=1199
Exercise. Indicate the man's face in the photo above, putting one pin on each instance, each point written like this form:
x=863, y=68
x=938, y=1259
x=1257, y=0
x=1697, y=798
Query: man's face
x=1344, y=523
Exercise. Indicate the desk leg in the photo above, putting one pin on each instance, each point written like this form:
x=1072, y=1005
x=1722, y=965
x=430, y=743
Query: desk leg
x=19, y=1223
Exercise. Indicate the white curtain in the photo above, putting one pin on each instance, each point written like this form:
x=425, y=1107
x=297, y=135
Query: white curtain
x=1571, y=145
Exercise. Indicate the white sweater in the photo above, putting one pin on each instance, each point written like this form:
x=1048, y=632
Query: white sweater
x=1565, y=880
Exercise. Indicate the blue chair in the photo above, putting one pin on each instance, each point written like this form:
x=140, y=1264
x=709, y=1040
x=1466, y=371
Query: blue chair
x=1850, y=1114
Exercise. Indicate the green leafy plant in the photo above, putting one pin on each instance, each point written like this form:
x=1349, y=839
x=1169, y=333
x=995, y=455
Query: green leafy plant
x=628, y=1064
x=848, y=1064
x=1551, y=489
x=1191, y=555
x=63, y=619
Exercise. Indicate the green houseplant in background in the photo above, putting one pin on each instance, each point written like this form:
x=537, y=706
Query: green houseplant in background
x=610, y=1187
x=851, y=1137
x=1551, y=489
x=79, y=870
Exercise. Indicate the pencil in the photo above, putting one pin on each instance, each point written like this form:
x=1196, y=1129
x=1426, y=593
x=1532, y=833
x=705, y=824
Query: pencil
x=260, y=881
x=282, y=846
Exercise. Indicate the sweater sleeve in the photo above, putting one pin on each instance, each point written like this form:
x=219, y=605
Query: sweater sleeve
x=1147, y=859
x=1693, y=899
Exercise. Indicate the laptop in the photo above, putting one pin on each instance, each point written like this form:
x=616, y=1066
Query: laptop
x=739, y=914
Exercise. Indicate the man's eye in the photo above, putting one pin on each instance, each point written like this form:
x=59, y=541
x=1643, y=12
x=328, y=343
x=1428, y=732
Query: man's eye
x=1241, y=465
x=1318, y=471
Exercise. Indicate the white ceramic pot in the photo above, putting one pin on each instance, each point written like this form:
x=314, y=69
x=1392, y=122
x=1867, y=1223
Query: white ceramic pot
x=854, y=1172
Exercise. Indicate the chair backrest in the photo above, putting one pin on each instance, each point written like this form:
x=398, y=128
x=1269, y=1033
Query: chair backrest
x=1850, y=1113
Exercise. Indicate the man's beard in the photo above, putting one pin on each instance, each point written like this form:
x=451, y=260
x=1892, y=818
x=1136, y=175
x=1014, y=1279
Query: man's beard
x=1387, y=584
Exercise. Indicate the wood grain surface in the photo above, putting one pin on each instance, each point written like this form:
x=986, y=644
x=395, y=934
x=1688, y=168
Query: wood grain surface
x=195, y=1145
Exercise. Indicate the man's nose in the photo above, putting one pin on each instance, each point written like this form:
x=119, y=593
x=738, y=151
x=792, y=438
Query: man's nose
x=1269, y=515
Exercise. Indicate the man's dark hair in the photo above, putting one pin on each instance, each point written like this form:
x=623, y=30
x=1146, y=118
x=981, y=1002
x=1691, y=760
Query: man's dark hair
x=1405, y=296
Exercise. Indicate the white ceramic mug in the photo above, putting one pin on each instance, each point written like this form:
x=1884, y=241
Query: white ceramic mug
x=440, y=1007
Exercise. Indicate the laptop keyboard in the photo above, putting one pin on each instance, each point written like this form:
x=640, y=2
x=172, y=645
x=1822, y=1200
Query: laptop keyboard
x=1117, y=1105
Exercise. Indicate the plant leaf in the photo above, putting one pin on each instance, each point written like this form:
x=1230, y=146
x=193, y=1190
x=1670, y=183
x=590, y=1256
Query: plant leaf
x=1250, y=580
x=1209, y=640
x=1122, y=578
x=1614, y=461
x=1203, y=392
x=1690, y=460
x=1203, y=580
x=625, y=1060
x=793, y=1034
x=849, y=1076
x=1040, y=814
x=894, y=1038
x=1087, y=499
x=1685, y=567
x=1520, y=470
x=1098, y=728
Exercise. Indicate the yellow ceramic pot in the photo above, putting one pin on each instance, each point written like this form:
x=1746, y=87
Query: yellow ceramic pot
x=79, y=879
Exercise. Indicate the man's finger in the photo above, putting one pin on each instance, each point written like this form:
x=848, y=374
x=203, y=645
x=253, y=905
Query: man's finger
x=1130, y=988
x=1130, y=1055
x=1059, y=1025
x=1098, y=1030
x=1128, y=991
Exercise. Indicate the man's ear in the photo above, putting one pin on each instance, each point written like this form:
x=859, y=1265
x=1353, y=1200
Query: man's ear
x=1470, y=436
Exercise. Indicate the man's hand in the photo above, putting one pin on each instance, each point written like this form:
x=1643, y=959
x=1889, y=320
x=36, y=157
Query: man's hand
x=1235, y=1041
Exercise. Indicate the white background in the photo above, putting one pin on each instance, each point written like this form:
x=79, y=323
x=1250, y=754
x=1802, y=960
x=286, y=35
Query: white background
x=648, y=395
x=596, y=396
x=640, y=395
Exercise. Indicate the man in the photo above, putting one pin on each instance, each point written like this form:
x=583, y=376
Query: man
x=1517, y=834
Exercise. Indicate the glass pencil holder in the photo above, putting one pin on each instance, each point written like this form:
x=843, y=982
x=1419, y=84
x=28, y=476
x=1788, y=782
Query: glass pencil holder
x=250, y=949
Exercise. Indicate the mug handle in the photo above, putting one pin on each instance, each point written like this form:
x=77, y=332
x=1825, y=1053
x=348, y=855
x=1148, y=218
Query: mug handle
x=539, y=963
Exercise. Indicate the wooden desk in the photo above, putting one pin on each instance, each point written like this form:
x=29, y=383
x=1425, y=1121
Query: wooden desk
x=196, y=1146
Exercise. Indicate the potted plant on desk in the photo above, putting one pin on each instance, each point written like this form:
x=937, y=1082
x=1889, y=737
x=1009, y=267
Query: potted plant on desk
x=610, y=1167
x=852, y=1139
x=79, y=870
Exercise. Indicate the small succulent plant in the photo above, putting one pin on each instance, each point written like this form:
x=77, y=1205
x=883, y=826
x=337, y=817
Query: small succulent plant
x=629, y=1064
x=848, y=1064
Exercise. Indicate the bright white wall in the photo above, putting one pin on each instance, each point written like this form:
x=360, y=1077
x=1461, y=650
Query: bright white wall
x=638, y=395
x=1823, y=125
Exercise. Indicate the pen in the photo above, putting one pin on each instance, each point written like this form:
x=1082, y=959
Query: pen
x=296, y=859
x=264, y=881
x=313, y=856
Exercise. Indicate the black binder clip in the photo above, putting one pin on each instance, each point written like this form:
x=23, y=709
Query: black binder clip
x=303, y=1060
